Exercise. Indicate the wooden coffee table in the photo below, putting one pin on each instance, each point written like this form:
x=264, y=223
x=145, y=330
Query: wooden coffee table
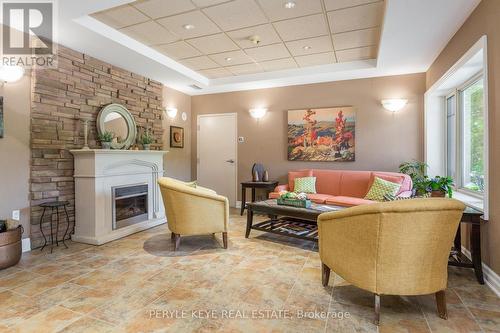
x=283, y=217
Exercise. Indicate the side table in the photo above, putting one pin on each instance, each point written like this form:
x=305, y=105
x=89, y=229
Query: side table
x=54, y=205
x=269, y=186
x=457, y=258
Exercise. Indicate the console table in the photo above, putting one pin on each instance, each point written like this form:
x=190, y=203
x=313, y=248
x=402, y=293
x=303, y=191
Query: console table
x=269, y=186
x=457, y=258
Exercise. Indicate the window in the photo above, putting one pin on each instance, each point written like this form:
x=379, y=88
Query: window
x=465, y=151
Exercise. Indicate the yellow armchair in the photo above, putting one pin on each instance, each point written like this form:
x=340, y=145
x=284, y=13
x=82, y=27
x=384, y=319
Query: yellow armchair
x=193, y=211
x=391, y=248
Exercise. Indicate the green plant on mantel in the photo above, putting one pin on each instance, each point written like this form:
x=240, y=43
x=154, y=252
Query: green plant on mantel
x=106, y=136
x=147, y=138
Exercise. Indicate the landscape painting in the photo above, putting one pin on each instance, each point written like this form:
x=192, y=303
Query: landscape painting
x=326, y=134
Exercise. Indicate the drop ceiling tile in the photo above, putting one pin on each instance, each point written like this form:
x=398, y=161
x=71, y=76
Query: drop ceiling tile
x=245, y=69
x=161, y=8
x=122, y=16
x=302, y=27
x=178, y=50
x=149, y=33
x=236, y=14
x=198, y=63
x=236, y=58
x=355, y=18
x=268, y=52
x=216, y=73
x=276, y=10
x=279, y=64
x=339, y=4
x=213, y=44
x=360, y=53
x=316, y=45
x=357, y=38
x=205, y=3
x=316, y=59
x=202, y=25
x=266, y=33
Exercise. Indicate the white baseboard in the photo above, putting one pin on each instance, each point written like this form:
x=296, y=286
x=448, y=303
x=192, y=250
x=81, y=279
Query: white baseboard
x=26, y=244
x=238, y=204
x=491, y=278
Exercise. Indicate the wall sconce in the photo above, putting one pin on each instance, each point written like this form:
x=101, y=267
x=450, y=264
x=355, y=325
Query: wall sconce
x=171, y=112
x=258, y=113
x=10, y=74
x=394, y=104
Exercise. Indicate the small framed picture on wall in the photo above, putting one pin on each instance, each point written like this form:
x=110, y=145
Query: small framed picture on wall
x=176, y=137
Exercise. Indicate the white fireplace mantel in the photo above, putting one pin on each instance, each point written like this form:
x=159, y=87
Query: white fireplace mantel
x=97, y=172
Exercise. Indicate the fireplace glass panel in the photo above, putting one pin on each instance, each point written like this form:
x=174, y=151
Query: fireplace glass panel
x=130, y=205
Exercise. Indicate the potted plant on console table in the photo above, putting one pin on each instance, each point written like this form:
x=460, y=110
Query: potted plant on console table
x=422, y=184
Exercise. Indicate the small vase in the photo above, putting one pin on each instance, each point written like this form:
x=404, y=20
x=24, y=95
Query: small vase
x=265, y=177
x=255, y=176
x=106, y=145
x=146, y=146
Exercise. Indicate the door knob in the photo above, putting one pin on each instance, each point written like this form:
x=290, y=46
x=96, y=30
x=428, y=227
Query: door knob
x=230, y=161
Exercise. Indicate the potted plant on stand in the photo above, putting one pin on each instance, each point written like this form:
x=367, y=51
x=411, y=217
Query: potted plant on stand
x=147, y=139
x=422, y=184
x=106, y=138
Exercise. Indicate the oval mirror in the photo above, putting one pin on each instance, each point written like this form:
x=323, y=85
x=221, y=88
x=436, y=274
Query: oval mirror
x=115, y=118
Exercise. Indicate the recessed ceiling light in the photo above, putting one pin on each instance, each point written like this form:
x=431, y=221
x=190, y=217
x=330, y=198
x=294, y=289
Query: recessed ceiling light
x=307, y=47
x=188, y=26
x=290, y=4
x=229, y=59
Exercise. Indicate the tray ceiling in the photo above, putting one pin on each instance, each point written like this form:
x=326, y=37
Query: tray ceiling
x=217, y=38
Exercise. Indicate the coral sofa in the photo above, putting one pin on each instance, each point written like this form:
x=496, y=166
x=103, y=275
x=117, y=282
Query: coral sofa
x=343, y=187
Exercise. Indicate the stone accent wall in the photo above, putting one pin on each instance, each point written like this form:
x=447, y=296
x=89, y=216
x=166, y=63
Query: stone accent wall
x=78, y=89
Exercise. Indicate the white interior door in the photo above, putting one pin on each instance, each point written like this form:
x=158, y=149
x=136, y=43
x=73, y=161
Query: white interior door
x=217, y=150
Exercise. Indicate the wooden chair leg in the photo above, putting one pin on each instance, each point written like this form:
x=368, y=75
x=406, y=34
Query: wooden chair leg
x=325, y=274
x=172, y=236
x=177, y=241
x=377, y=309
x=224, y=239
x=441, y=304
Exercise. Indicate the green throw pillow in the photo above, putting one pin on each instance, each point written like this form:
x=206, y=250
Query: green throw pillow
x=381, y=188
x=305, y=184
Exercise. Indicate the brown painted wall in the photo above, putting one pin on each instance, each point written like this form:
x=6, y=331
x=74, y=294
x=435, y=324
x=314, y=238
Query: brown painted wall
x=383, y=139
x=485, y=20
x=15, y=151
x=79, y=88
x=178, y=160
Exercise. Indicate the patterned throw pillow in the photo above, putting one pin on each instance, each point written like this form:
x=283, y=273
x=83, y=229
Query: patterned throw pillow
x=381, y=188
x=305, y=184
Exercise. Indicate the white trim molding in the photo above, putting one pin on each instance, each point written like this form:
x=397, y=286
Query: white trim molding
x=491, y=278
x=26, y=244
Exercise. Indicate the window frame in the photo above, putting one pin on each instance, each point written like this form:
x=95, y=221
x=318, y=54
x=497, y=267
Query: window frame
x=459, y=151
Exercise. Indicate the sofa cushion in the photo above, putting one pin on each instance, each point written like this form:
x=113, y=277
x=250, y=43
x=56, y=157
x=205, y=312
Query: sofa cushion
x=274, y=195
x=319, y=198
x=354, y=183
x=297, y=174
x=327, y=181
x=305, y=184
x=347, y=201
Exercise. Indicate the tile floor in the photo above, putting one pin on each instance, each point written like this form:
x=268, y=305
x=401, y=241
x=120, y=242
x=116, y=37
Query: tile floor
x=137, y=284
